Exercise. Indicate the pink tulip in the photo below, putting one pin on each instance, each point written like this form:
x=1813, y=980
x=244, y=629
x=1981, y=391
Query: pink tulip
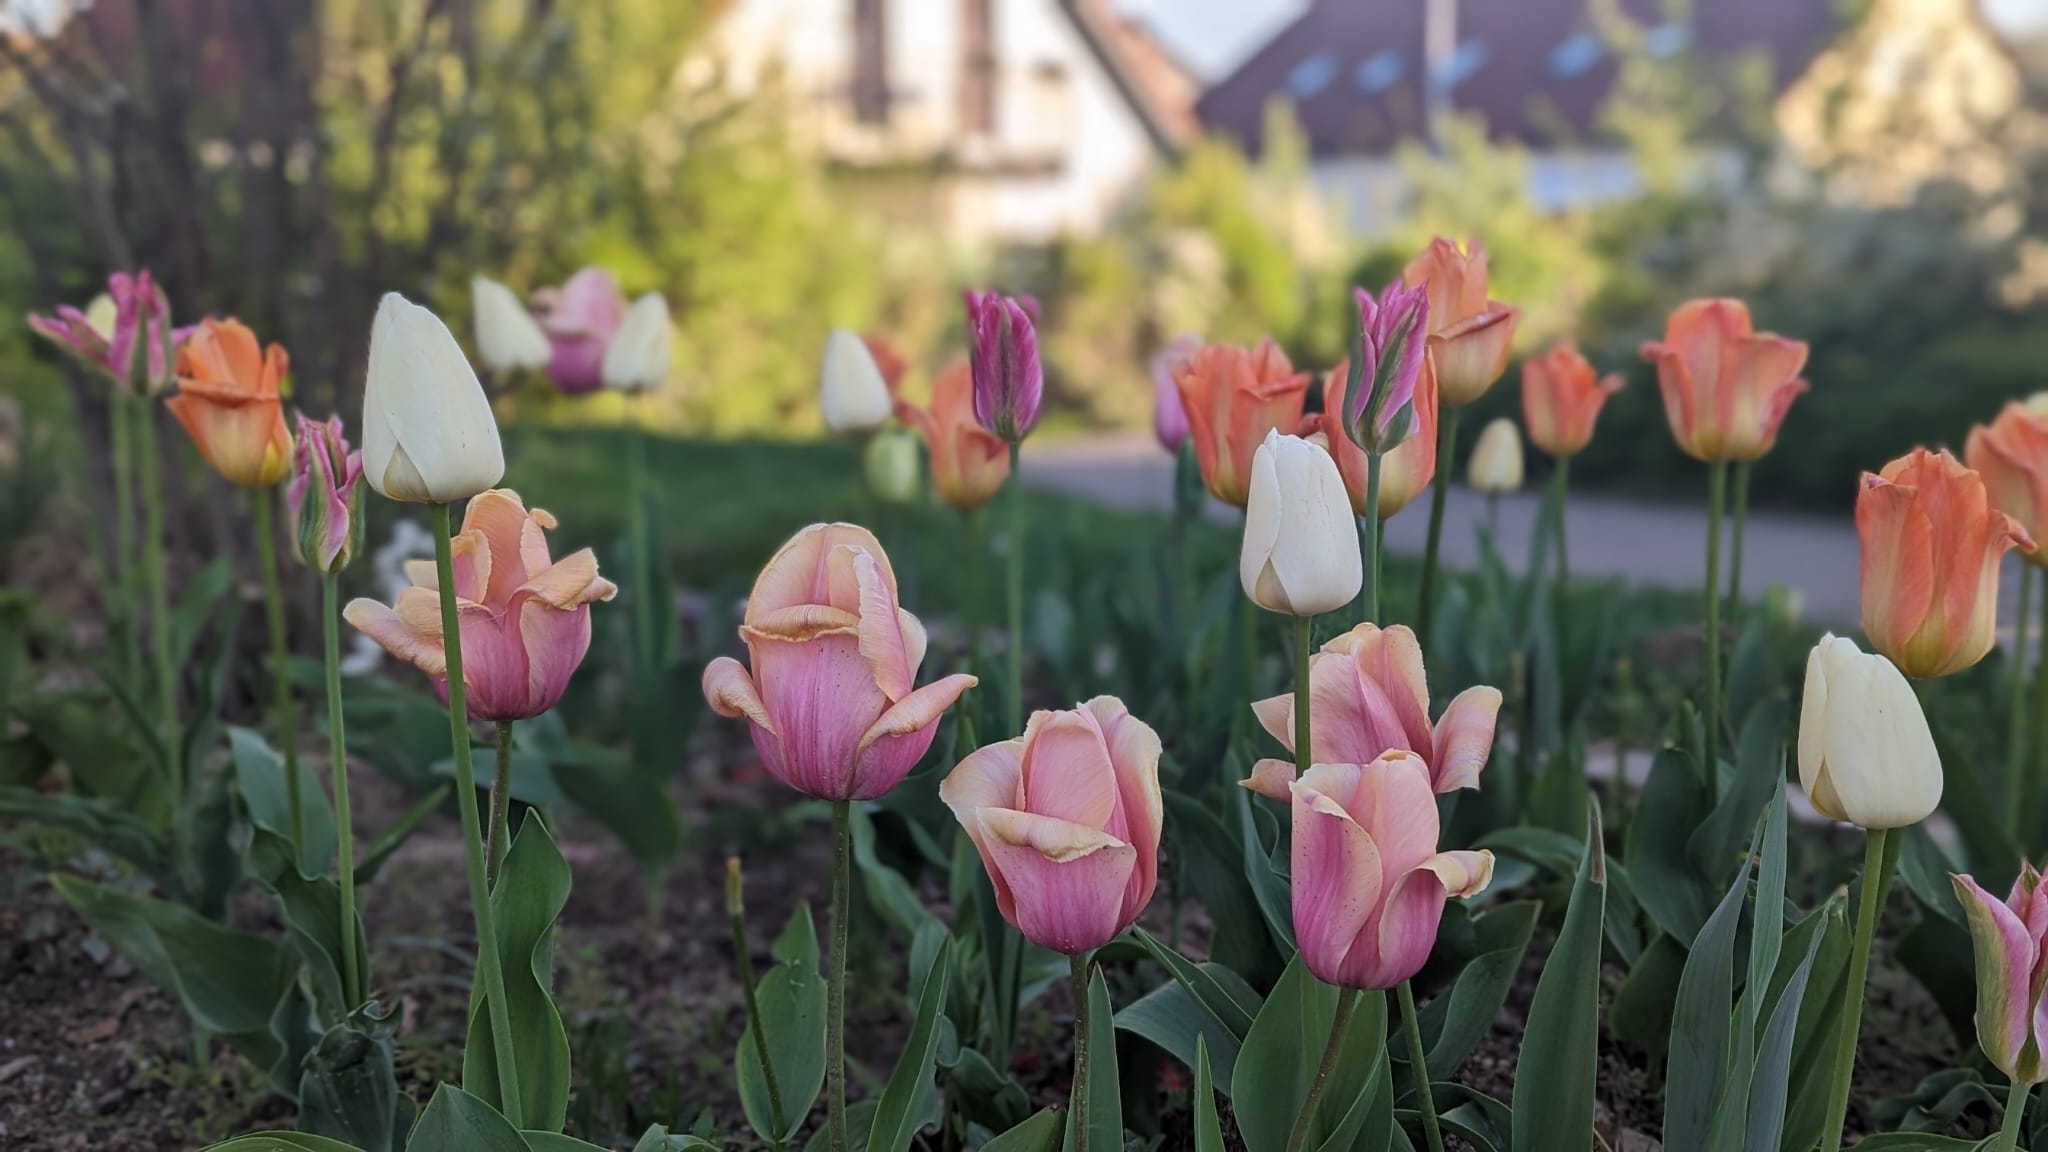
x=579, y=319
x=525, y=618
x=1009, y=381
x=2011, y=941
x=140, y=320
x=1379, y=407
x=831, y=700
x=322, y=496
x=1369, y=884
x=1169, y=414
x=1368, y=694
x=1066, y=819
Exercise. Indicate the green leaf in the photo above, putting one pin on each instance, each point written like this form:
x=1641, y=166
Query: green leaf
x=395, y=836
x=894, y=1124
x=798, y=943
x=556, y=1142
x=1233, y=1009
x=658, y=1139
x=1281, y=1054
x=1553, y=1100
x=1547, y=848
x=349, y=1091
x=1170, y=1017
x=311, y=909
x=188, y=617
x=103, y=823
x=533, y=887
x=1643, y=1005
x=281, y=1142
x=1041, y=1133
x=1717, y=846
x=1208, y=1125
x=456, y=1121
x=1673, y=803
x=887, y=890
x=629, y=802
x=1700, y=1028
x=1454, y=1023
x=1817, y=1036
x=791, y=997
x=1105, y=1094
x=1767, y=1098
x=259, y=777
x=1214, y=863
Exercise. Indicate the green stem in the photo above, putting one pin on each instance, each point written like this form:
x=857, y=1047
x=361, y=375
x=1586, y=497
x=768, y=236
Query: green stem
x=337, y=763
x=1370, y=540
x=1869, y=907
x=1079, y=1092
x=1561, y=477
x=156, y=577
x=121, y=593
x=1440, y=487
x=497, y=832
x=972, y=599
x=645, y=570
x=736, y=914
x=1742, y=472
x=1347, y=1002
x=282, y=710
x=1418, y=1067
x=2016, y=736
x=2039, y=745
x=1717, y=498
x=1248, y=621
x=487, y=963
x=2015, y=1114
x=1304, y=628
x=1015, y=554
x=835, y=988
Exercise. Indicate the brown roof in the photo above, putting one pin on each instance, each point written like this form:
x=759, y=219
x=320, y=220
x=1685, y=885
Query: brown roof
x=1537, y=71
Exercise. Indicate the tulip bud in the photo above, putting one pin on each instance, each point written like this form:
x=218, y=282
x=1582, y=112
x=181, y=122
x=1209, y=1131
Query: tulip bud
x=1865, y=753
x=2011, y=453
x=2010, y=939
x=580, y=318
x=1300, y=542
x=1169, y=413
x=1469, y=334
x=507, y=335
x=1009, y=383
x=322, y=496
x=850, y=389
x=229, y=402
x=1496, y=466
x=1387, y=355
x=132, y=315
x=638, y=357
x=428, y=432
x=1726, y=386
x=891, y=463
x=1561, y=397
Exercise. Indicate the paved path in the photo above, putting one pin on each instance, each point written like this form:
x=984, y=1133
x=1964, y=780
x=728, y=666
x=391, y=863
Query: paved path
x=1651, y=543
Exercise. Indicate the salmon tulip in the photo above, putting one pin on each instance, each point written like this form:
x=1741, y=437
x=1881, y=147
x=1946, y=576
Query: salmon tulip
x=228, y=402
x=2011, y=453
x=831, y=699
x=1561, y=397
x=580, y=319
x=2010, y=938
x=969, y=462
x=1233, y=397
x=1931, y=546
x=1405, y=472
x=1368, y=694
x=1067, y=820
x=1469, y=334
x=1726, y=386
x=1369, y=885
x=524, y=617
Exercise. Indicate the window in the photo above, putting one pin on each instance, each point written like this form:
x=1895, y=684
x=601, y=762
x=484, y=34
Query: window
x=1380, y=71
x=1668, y=39
x=1311, y=75
x=1576, y=55
x=1468, y=59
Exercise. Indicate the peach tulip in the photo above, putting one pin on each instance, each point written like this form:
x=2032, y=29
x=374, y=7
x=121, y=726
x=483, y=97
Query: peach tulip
x=1233, y=397
x=1726, y=386
x=525, y=618
x=1067, y=820
x=969, y=462
x=1931, y=550
x=1368, y=694
x=1561, y=398
x=831, y=700
x=1369, y=884
x=580, y=319
x=228, y=402
x=1469, y=334
x=2011, y=453
x=1406, y=471
x=2010, y=938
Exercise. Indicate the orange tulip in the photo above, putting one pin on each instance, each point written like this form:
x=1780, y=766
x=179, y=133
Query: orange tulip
x=1931, y=549
x=1468, y=333
x=2012, y=456
x=1233, y=397
x=1726, y=386
x=1404, y=472
x=969, y=462
x=1561, y=399
x=228, y=402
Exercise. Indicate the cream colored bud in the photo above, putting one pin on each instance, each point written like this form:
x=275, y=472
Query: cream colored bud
x=1865, y=753
x=851, y=389
x=637, y=359
x=1300, y=540
x=428, y=432
x=101, y=315
x=1496, y=466
x=507, y=335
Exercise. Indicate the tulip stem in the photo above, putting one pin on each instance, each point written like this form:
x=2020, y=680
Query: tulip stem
x=1015, y=555
x=1418, y=1067
x=488, y=966
x=743, y=957
x=2040, y=741
x=1446, y=445
x=1561, y=478
x=1304, y=628
x=2015, y=1114
x=121, y=600
x=645, y=571
x=1370, y=539
x=156, y=577
x=1717, y=498
x=283, y=714
x=2016, y=738
x=1079, y=1091
x=337, y=764
x=1869, y=907
x=1347, y=1002
x=1742, y=472
x=835, y=989
x=497, y=832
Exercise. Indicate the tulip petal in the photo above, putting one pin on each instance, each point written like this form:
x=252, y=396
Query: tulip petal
x=1395, y=805
x=1272, y=779
x=1336, y=869
x=896, y=741
x=555, y=641
x=1068, y=774
x=1883, y=765
x=1897, y=539
x=2005, y=955
x=1397, y=946
x=408, y=635
x=1134, y=751
x=797, y=574
x=731, y=692
x=882, y=642
x=428, y=430
x=1463, y=873
x=987, y=777
x=1276, y=714
x=1066, y=881
x=1464, y=739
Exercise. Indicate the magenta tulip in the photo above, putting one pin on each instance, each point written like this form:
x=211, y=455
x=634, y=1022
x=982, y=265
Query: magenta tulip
x=1379, y=409
x=1066, y=819
x=1009, y=382
x=133, y=316
x=580, y=319
x=1369, y=883
x=1169, y=413
x=2011, y=939
x=831, y=700
x=322, y=495
x=1368, y=695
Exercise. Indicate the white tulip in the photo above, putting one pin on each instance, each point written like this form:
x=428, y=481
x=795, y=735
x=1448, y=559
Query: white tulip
x=507, y=335
x=428, y=432
x=1865, y=754
x=1300, y=541
x=850, y=388
x=638, y=357
x=1496, y=465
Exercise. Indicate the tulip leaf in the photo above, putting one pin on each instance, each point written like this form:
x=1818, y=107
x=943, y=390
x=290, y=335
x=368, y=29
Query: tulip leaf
x=556, y=1142
x=532, y=889
x=1700, y=1028
x=311, y=909
x=1454, y=1023
x=1266, y=865
x=1767, y=1099
x=1214, y=863
x=1233, y=1009
x=1673, y=803
x=455, y=1121
x=103, y=823
x=887, y=890
x=1817, y=1036
x=627, y=801
x=1041, y=1133
x=1172, y=1017
x=1105, y=1086
x=895, y=1122
x=1925, y=866
x=1643, y=1004
x=259, y=777
x=348, y=1089
x=1283, y=1049
x=281, y=1142
x=1208, y=1125
x=1553, y=1099
x=1716, y=847
x=791, y=997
